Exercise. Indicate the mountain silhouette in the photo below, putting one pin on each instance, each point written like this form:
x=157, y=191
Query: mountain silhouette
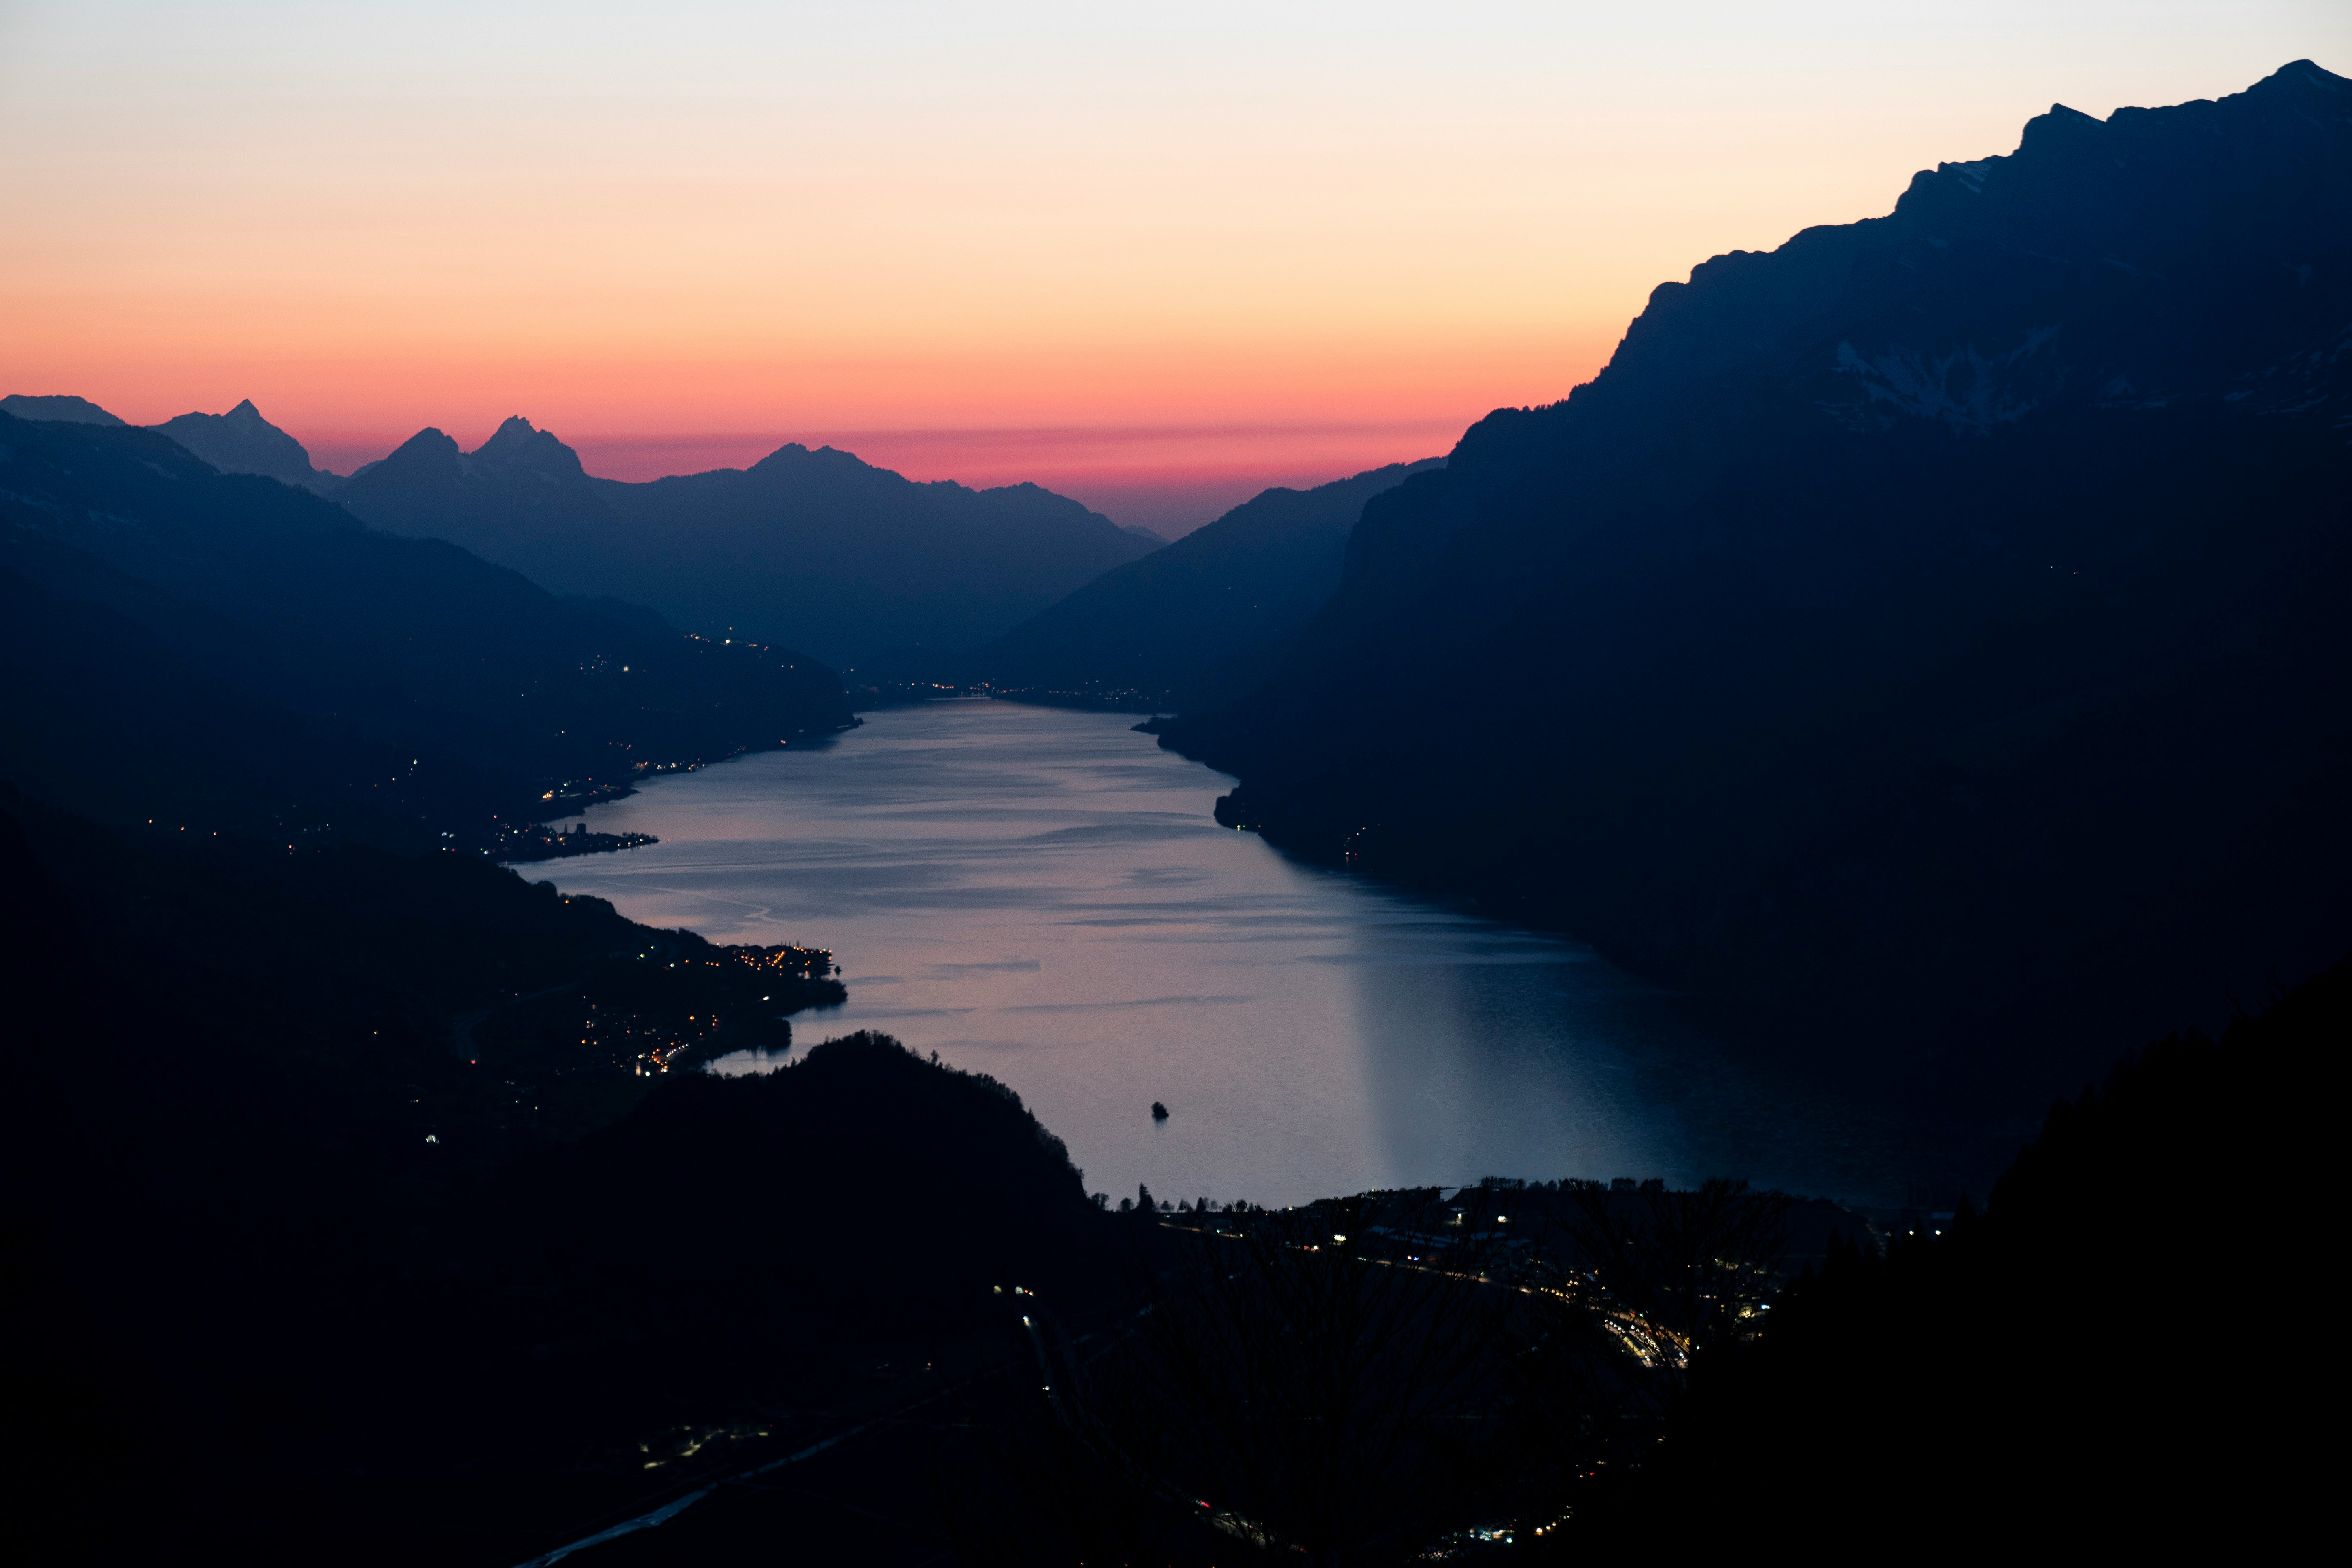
x=1203, y=620
x=815, y=548
x=242, y=442
x=1930, y=629
x=64, y=409
x=223, y=650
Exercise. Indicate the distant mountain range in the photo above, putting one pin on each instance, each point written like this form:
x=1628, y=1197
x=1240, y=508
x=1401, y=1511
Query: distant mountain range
x=1926, y=638
x=855, y=564
x=1201, y=621
x=900, y=577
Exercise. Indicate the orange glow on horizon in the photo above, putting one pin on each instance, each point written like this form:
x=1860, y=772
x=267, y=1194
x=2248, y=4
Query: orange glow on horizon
x=327, y=375
x=1171, y=447
x=903, y=222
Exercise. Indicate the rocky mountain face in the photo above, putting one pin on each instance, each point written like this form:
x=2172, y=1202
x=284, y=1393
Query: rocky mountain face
x=242, y=442
x=520, y=487
x=1920, y=639
x=1201, y=621
x=813, y=547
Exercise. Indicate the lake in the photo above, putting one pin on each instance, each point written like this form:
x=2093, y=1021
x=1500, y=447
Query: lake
x=1042, y=895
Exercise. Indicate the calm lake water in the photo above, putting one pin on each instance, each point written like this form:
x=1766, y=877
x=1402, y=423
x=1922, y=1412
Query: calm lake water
x=1042, y=895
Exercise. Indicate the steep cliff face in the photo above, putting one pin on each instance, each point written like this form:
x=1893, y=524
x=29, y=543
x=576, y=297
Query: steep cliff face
x=1926, y=622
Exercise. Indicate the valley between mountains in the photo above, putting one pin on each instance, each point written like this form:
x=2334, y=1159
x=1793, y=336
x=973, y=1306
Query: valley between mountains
x=1918, y=660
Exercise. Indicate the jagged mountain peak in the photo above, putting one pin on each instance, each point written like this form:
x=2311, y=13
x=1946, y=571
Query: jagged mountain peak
x=243, y=441
x=518, y=445
x=1981, y=260
x=512, y=431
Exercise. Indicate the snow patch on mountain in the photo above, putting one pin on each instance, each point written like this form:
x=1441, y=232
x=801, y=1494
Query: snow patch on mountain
x=1965, y=387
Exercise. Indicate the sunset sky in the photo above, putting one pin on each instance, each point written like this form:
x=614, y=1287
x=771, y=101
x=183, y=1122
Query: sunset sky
x=1156, y=257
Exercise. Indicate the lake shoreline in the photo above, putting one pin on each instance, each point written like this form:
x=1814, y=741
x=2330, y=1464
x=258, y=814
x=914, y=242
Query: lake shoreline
x=1042, y=894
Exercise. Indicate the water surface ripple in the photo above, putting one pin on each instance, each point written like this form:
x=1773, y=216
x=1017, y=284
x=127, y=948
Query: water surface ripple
x=1042, y=895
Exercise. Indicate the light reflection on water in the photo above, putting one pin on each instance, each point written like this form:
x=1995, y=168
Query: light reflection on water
x=1042, y=895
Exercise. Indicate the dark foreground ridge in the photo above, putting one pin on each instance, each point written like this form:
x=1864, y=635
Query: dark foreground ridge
x=2050, y=1367
x=360, y=1203
x=350, y=1213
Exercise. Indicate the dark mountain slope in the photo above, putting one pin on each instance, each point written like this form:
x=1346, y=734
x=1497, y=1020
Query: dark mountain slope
x=102, y=715
x=284, y=641
x=1930, y=627
x=242, y=442
x=1206, y=618
x=814, y=549
x=293, y=1263
x=2037, y=1346
x=249, y=1303
x=68, y=410
x=521, y=492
